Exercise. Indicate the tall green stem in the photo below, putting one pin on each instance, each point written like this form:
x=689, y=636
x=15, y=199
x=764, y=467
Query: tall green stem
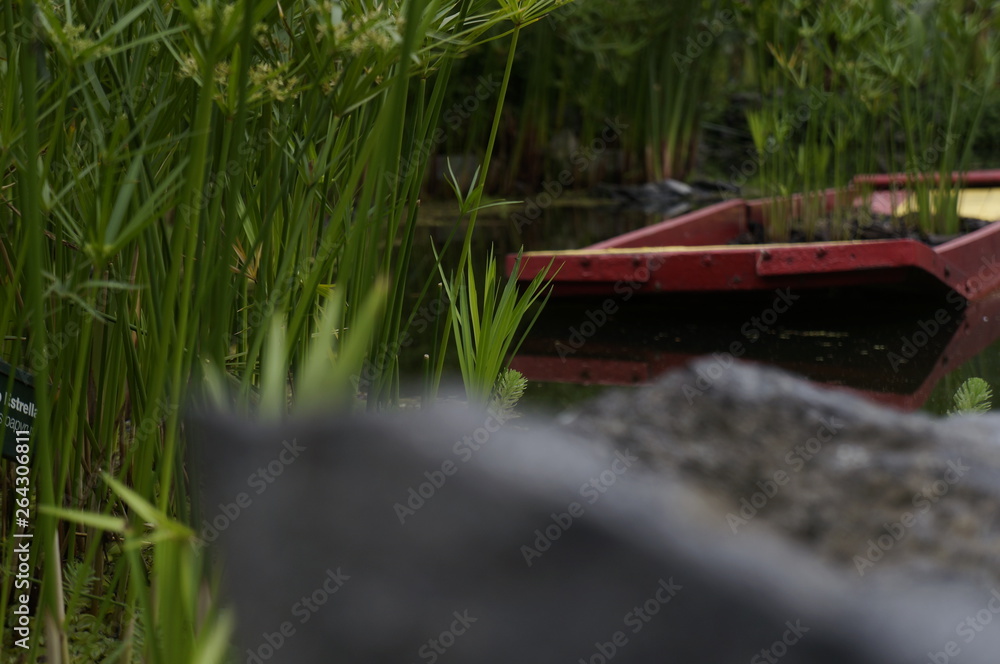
x=484, y=173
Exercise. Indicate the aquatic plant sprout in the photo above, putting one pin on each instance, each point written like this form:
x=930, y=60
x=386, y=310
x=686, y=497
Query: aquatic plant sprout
x=486, y=321
x=972, y=396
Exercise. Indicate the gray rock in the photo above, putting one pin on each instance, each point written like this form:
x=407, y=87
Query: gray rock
x=428, y=538
x=869, y=489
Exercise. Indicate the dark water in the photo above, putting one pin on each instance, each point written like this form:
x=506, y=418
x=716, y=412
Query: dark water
x=903, y=350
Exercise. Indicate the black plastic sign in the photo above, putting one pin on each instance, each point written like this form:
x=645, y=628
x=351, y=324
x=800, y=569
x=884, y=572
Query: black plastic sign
x=17, y=405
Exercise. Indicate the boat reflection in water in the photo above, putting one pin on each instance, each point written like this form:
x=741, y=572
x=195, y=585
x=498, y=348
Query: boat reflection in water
x=891, y=347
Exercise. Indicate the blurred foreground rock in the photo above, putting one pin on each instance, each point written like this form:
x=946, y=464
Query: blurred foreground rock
x=871, y=490
x=445, y=537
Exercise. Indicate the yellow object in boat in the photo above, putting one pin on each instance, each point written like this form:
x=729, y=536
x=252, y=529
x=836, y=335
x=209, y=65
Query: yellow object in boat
x=972, y=203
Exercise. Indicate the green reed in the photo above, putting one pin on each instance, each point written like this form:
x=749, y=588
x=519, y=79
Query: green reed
x=903, y=85
x=653, y=67
x=198, y=199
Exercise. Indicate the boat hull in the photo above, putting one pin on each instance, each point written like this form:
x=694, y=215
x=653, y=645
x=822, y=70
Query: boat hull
x=697, y=252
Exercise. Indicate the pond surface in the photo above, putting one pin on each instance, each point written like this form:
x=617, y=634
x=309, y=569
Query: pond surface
x=901, y=350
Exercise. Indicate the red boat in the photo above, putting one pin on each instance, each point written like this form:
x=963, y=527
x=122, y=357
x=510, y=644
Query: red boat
x=886, y=318
x=697, y=252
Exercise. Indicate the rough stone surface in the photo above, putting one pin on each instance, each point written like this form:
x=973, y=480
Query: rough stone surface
x=867, y=488
x=427, y=537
